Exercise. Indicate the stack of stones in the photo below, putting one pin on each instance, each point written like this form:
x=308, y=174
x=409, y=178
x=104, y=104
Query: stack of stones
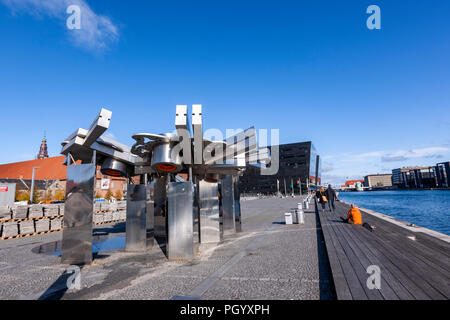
x=5, y=213
x=108, y=212
x=20, y=212
x=51, y=210
x=35, y=211
x=56, y=224
x=10, y=229
x=42, y=218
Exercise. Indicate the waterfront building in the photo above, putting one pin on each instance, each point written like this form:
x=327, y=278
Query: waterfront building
x=297, y=172
x=352, y=184
x=378, y=180
x=443, y=174
x=415, y=177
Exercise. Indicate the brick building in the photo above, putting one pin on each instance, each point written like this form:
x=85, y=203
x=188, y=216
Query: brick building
x=50, y=175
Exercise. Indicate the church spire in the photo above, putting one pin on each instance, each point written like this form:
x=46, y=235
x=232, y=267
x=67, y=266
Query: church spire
x=43, y=154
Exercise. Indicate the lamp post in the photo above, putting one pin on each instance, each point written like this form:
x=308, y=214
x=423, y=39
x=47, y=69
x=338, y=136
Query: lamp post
x=32, y=185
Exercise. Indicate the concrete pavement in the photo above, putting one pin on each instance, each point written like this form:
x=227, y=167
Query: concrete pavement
x=268, y=260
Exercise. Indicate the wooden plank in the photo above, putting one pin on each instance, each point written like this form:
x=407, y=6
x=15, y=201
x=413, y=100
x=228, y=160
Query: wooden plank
x=356, y=262
x=356, y=289
x=340, y=283
x=432, y=273
x=387, y=277
x=408, y=283
x=413, y=249
x=362, y=253
x=436, y=248
x=428, y=282
x=433, y=258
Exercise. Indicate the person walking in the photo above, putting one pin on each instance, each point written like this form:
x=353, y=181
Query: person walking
x=331, y=197
x=322, y=198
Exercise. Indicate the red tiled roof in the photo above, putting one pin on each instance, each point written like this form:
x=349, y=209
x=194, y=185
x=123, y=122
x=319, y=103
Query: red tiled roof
x=50, y=169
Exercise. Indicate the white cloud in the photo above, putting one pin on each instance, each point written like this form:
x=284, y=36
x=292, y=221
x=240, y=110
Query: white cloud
x=97, y=31
x=393, y=156
x=402, y=155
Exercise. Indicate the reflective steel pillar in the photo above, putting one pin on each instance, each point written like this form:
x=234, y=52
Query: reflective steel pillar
x=209, y=212
x=237, y=204
x=228, y=215
x=139, y=219
x=78, y=214
x=158, y=194
x=180, y=213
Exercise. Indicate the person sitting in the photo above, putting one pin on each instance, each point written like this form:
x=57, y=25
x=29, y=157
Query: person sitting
x=354, y=216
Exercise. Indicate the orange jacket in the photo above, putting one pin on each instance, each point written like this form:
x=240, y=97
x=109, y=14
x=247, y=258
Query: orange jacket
x=355, y=215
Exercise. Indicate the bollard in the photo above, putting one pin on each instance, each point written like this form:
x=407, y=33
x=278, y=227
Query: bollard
x=294, y=216
x=288, y=218
x=301, y=216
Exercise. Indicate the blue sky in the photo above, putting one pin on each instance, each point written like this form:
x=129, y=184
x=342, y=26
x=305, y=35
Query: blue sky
x=370, y=100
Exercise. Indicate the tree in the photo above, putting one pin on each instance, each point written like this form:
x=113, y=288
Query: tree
x=59, y=195
x=108, y=195
x=23, y=196
x=36, y=196
x=118, y=194
x=18, y=192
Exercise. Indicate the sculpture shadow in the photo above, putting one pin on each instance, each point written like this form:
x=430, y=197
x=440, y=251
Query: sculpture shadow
x=59, y=288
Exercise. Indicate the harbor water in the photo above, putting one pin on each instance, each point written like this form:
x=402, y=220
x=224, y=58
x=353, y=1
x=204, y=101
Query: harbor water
x=425, y=208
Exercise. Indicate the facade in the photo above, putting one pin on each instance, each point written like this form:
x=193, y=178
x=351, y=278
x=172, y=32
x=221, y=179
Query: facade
x=422, y=177
x=297, y=171
x=443, y=174
x=50, y=175
x=378, y=180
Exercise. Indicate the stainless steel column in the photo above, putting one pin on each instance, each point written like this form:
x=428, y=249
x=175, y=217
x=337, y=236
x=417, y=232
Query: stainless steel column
x=158, y=193
x=209, y=212
x=78, y=214
x=227, y=204
x=196, y=217
x=150, y=216
x=136, y=225
x=180, y=201
x=237, y=204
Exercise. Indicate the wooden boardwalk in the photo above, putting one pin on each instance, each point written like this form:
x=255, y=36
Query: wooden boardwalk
x=410, y=269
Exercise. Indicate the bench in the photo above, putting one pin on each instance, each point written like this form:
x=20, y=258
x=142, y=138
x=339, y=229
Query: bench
x=413, y=265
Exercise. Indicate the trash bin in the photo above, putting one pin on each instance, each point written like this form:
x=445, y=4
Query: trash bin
x=288, y=218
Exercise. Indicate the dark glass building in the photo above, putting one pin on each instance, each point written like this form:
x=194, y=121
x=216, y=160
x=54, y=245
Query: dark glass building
x=297, y=169
x=443, y=174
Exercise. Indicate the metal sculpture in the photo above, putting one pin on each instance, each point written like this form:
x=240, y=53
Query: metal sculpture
x=178, y=214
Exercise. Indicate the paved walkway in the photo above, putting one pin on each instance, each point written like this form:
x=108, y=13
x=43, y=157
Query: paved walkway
x=268, y=260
